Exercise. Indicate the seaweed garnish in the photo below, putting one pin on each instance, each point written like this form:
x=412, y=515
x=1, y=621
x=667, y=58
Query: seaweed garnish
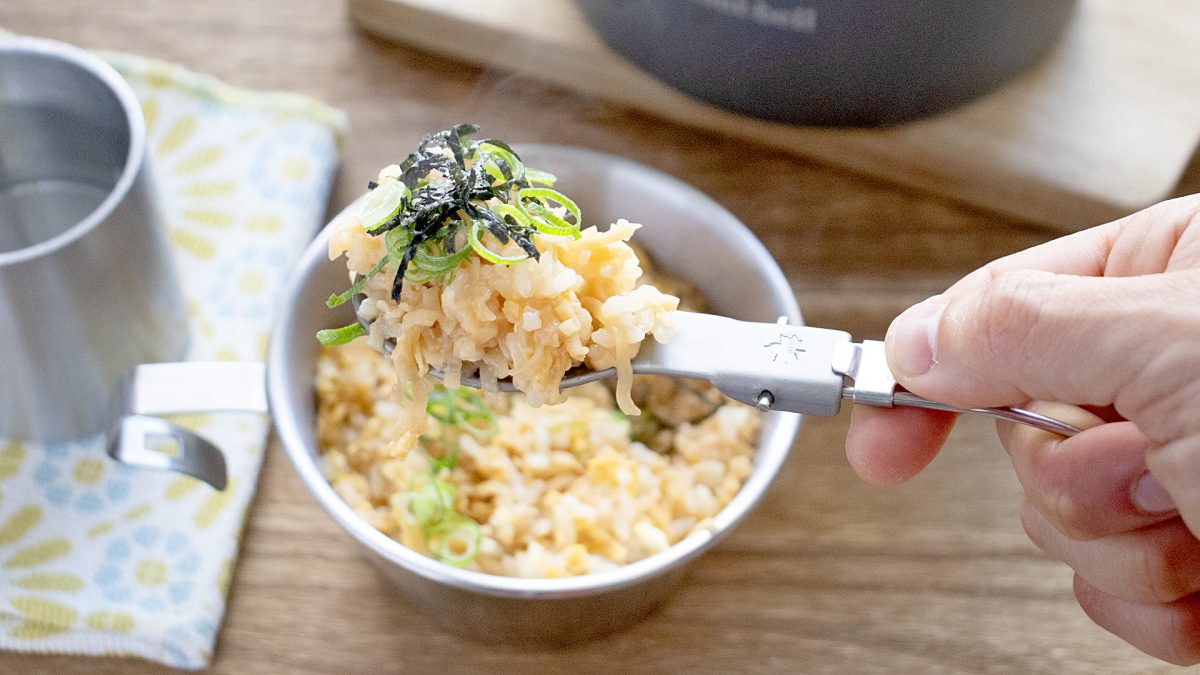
x=453, y=185
x=464, y=186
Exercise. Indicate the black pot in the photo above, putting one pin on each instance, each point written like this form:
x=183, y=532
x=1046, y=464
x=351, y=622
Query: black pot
x=831, y=62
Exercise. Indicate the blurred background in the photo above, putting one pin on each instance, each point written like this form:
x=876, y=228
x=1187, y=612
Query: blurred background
x=828, y=574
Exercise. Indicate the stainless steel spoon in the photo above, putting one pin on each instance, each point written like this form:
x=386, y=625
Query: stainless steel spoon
x=776, y=367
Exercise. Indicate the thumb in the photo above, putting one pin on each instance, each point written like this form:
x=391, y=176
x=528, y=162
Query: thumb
x=1030, y=334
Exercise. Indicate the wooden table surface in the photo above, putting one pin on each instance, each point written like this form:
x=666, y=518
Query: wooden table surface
x=828, y=575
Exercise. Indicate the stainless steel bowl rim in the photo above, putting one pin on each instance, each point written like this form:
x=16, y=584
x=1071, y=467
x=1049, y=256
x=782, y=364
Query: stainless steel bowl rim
x=300, y=445
x=137, y=138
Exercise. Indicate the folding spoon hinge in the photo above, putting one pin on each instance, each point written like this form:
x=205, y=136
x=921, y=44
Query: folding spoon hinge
x=866, y=364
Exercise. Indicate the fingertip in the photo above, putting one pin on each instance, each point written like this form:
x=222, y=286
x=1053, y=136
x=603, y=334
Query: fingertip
x=1090, y=485
x=1169, y=631
x=1089, y=598
x=886, y=446
x=1022, y=441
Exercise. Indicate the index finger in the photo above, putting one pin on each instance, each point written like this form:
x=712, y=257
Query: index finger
x=891, y=445
x=1140, y=243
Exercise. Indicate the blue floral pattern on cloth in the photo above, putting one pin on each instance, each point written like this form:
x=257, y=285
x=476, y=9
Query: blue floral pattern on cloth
x=100, y=558
x=151, y=568
x=57, y=473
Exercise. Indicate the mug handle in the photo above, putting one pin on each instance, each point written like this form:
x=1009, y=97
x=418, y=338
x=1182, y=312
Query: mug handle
x=140, y=438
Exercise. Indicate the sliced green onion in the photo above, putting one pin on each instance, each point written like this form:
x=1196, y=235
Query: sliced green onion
x=488, y=428
x=440, y=405
x=338, y=299
x=455, y=540
x=430, y=503
x=546, y=221
x=340, y=336
x=383, y=203
x=492, y=152
x=423, y=509
x=396, y=240
x=443, y=492
x=550, y=194
x=493, y=170
x=476, y=417
x=540, y=177
x=476, y=227
x=426, y=263
x=440, y=410
x=448, y=460
x=464, y=408
x=439, y=265
x=505, y=210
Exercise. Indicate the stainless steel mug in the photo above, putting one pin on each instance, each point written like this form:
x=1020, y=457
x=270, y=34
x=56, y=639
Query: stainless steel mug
x=87, y=283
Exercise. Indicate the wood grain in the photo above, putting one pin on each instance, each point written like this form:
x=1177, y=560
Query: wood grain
x=829, y=575
x=1104, y=125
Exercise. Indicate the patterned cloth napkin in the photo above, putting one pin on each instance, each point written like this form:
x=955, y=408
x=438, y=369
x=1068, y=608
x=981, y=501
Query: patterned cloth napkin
x=100, y=558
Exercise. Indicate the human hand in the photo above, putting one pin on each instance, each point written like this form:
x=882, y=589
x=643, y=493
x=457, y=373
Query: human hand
x=1102, y=329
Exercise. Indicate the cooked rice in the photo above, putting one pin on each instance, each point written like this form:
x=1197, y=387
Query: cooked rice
x=580, y=303
x=559, y=485
x=562, y=489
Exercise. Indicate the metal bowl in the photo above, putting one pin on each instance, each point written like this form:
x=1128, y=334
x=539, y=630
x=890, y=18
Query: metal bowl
x=689, y=235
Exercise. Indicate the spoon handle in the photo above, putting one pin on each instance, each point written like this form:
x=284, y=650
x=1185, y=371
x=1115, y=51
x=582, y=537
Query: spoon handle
x=1009, y=414
x=874, y=385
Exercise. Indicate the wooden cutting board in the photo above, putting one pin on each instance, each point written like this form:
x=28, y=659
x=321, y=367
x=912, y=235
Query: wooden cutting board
x=1103, y=126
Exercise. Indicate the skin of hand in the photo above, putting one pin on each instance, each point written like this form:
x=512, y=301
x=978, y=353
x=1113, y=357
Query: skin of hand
x=1102, y=329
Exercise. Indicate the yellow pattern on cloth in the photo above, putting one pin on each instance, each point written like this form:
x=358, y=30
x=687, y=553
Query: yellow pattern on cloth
x=100, y=558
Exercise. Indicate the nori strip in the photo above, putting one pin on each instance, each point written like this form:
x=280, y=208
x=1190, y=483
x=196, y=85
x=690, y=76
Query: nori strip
x=431, y=214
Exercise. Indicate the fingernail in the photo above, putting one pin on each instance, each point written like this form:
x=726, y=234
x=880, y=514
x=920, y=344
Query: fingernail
x=1149, y=496
x=912, y=339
